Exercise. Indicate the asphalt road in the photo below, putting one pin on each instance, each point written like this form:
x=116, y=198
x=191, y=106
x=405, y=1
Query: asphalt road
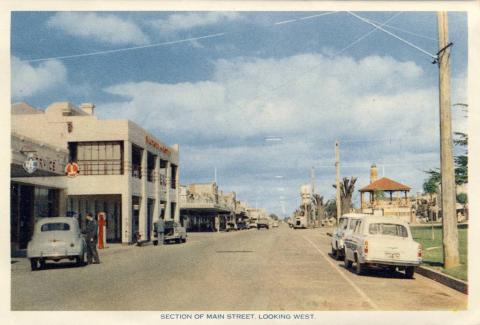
x=277, y=269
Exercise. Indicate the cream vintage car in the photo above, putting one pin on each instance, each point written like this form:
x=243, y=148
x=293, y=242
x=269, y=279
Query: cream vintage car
x=55, y=239
x=382, y=242
x=345, y=226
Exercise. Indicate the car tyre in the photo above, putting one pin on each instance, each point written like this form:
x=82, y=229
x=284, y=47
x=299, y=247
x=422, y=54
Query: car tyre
x=80, y=259
x=359, y=267
x=347, y=262
x=43, y=264
x=155, y=242
x=334, y=252
x=409, y=272
x=33, y=264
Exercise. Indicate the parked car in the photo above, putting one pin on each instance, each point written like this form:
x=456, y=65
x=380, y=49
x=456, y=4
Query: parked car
x=345, y=226
x=55, y=239
x=263, y=223
x=252, y=225
x=242, y=226
x=231, y=226
x=275, y=224
x=382, y=242
x=174, y=232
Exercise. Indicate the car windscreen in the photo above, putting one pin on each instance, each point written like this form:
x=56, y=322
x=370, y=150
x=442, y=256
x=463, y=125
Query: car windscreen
x=169, y=224
x=55, y=226
x=388, y=229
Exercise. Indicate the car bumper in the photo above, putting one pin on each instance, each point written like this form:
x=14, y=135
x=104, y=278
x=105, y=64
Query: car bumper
x=392, y=262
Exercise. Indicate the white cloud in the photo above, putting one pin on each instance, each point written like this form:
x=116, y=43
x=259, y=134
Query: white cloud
x=309, y=100
x=187, y=21
x=29, y=80
x=100, y=27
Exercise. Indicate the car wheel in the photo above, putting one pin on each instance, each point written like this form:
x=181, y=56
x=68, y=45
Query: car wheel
x=43, y=264
x=155, y=242
x=80, y=259
x=184, y=240
x=360, y=268
x=409, y=271
x=347, y=262
x=334, y=252
x=33, y=264
x=338, y=255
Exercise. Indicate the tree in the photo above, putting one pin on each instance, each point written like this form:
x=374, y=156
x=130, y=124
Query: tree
x=331, y=208
x=347, y=187
x=274, y=216
x=430, y=186
x=461, y=163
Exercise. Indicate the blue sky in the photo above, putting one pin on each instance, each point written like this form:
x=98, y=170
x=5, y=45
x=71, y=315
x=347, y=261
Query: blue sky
x=306, y=77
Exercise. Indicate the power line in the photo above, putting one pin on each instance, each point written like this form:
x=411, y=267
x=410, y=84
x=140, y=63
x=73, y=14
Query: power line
x=393, y=35
x=128, y=48
x=404, y=30
x=186, y=40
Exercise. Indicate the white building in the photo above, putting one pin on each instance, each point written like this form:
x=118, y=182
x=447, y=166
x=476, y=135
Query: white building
x=123, y=170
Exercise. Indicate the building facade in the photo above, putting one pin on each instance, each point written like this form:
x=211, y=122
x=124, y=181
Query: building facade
x=123, y=170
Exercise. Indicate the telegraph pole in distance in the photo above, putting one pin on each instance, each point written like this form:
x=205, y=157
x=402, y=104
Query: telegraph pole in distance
x=448, y=192
x=337, y=169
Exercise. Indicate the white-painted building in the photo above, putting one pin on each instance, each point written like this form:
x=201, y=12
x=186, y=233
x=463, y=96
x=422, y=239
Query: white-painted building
x=123, y=170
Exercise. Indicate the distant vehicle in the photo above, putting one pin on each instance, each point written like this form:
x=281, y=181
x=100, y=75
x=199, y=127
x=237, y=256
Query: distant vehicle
x=231, y=226
x=55, y=239
x=252, y=225
x=300, y=222
x=345, y=226
x=242, y=226
x=174, y=232
x=382, y=242
x=263, y=223
x=275, y=224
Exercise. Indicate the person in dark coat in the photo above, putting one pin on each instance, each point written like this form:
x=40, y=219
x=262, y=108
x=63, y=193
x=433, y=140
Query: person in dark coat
x=91, y=236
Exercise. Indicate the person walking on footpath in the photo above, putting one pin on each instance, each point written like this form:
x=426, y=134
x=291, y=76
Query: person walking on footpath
x=91, y=237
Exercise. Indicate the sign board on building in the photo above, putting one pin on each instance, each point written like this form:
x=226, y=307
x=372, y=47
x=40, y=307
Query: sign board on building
x=30, y=164
x=72, y=169
x=157, y=145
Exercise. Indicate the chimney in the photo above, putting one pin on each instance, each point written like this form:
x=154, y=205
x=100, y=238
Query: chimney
x=373, y=173
x=87, y=108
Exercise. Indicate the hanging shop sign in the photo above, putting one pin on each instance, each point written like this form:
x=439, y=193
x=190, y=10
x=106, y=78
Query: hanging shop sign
x=72, y=169
x=30, y=164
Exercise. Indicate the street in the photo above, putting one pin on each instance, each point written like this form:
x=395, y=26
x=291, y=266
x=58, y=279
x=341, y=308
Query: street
x=277, y=269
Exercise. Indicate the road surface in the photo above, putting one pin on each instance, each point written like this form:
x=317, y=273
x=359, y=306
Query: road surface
x=266, y=270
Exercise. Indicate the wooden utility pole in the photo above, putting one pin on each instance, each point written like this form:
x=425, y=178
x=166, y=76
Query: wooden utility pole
x=337, y=169
x=448, y=192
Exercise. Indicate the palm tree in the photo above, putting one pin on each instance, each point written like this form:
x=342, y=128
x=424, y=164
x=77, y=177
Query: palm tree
x=347, y=187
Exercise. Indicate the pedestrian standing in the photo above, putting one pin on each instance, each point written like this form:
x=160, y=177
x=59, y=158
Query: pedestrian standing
x=92, y=238
x=160, y=230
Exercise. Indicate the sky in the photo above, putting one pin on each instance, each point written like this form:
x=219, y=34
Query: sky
x=259, y=96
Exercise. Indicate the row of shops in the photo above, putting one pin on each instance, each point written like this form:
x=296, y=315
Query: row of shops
x=67, y=162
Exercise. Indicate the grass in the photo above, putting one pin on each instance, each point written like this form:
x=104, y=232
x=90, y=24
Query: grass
x=433, y=250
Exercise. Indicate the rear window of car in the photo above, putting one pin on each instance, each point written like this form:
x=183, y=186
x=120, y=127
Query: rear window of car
x=55, y=226
x=388, y=229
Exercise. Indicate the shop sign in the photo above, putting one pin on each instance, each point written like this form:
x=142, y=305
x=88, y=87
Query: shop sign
x=30, y=164
x=157, y=145
x=72, y=169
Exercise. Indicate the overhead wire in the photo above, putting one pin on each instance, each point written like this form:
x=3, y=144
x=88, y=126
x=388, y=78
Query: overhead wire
x=393, y=35
x=152, y=45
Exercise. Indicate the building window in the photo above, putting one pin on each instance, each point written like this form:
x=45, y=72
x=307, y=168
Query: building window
x=98, y=158
x=137, y=153
x=173, y=179
x=150, y=167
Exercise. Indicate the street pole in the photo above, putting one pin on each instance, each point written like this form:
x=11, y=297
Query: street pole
x=449, y=216
x=337, y=169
